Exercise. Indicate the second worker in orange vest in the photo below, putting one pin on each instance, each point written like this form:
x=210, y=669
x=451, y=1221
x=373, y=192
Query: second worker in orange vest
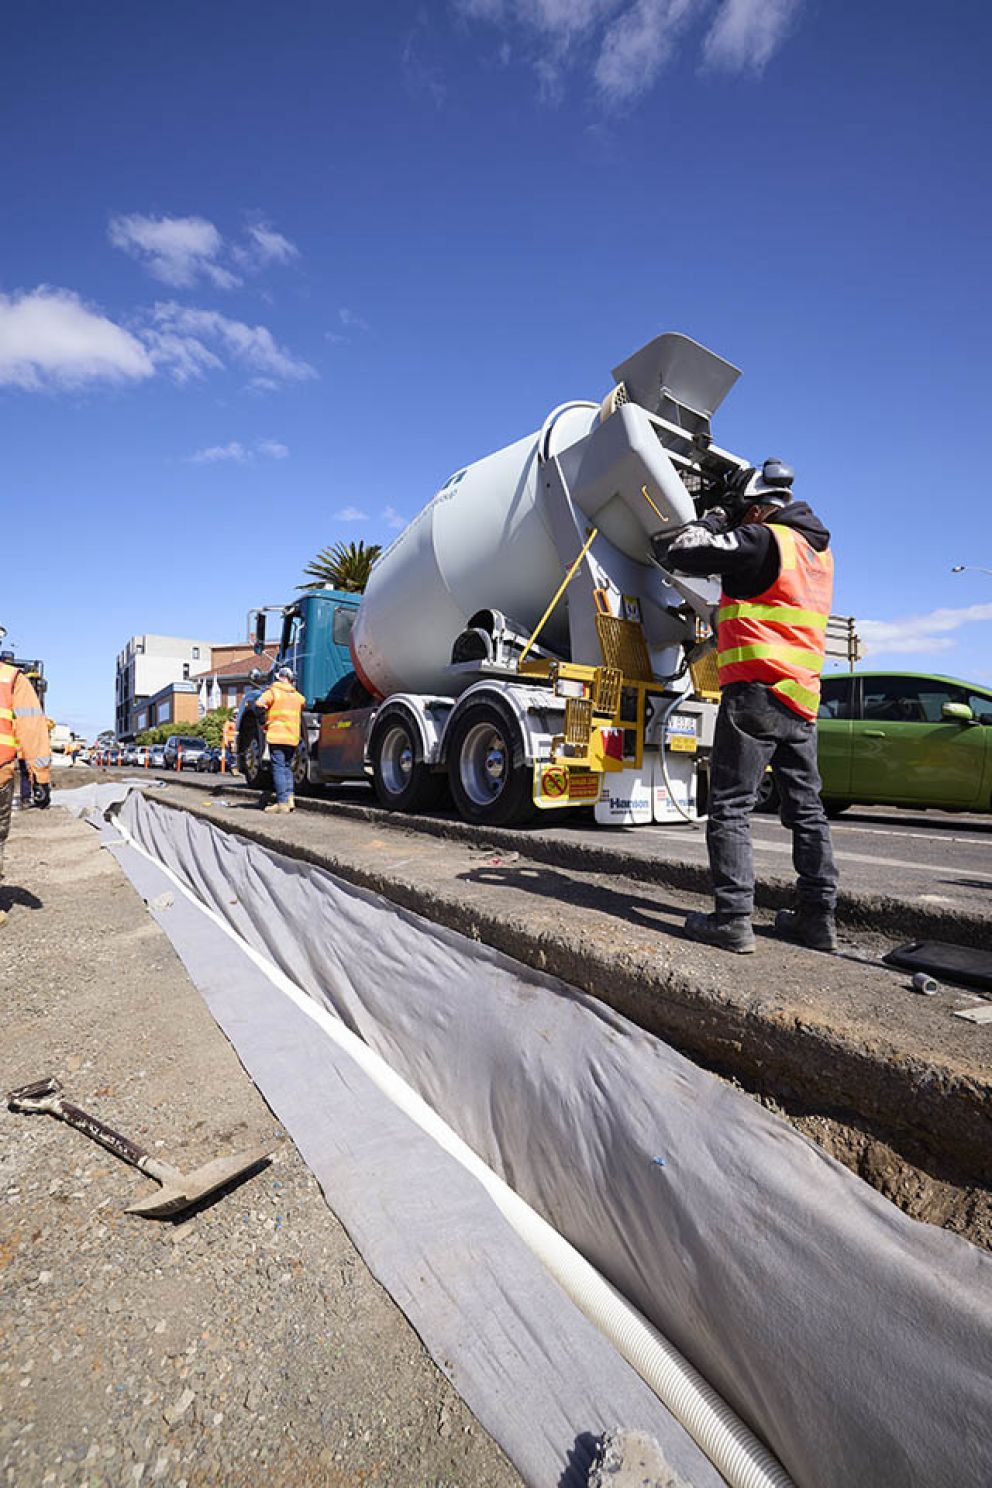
x=773, y=556
x=284, y=710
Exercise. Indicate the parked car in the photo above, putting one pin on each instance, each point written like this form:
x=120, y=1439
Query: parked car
x=190, y=748
x=209, y=760
x=901, y=739
x=156, y=757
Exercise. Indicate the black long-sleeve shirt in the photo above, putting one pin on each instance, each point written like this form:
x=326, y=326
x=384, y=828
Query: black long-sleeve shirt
x=745, y=558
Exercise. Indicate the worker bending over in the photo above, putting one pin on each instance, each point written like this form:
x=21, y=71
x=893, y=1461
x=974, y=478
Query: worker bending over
x=24, y=731
x=773, y=556
x=283, y=707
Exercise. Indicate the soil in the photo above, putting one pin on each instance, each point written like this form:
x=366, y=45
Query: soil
x=246, y=1344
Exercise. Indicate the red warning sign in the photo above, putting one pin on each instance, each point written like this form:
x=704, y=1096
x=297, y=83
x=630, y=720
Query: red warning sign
x=554, y=782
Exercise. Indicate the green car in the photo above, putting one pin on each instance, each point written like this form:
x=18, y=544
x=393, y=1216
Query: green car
x=901, y=739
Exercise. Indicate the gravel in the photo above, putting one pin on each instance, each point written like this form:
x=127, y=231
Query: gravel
x=244, y=1344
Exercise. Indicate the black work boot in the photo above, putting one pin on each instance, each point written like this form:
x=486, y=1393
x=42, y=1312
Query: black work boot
x=729, y=932
x=811, y=927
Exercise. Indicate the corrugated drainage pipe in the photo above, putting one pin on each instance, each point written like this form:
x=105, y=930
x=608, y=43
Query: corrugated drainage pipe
x=731, y=1446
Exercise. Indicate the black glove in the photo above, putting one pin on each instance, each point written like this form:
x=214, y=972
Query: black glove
x=41, y=795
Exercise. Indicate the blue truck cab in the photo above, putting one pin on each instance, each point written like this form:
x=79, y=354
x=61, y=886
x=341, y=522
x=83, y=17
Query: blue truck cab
x=314, y=641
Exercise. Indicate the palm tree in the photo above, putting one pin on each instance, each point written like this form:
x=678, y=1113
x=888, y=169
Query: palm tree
x=345, y=566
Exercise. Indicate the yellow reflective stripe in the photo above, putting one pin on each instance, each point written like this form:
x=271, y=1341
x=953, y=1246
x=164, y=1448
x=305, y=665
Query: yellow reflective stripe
x=787, y=544
x=787, y=614
x=6, y=712
x=809, y=700
x=8, y=739
x=810, y=661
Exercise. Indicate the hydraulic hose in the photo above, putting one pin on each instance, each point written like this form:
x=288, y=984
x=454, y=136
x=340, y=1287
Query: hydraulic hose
x=729, y=1444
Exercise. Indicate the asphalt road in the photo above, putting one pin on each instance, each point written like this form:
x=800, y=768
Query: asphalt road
x=938, y=858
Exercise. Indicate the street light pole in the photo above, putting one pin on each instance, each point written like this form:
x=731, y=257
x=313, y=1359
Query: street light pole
x=970, y=568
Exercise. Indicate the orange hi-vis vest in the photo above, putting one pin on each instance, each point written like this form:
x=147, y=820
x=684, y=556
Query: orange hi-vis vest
x=284, y=705
x=779, y=637
x=228, y=735
x=8, y=739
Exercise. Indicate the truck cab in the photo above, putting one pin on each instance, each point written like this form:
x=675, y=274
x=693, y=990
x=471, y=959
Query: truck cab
x=314, y=635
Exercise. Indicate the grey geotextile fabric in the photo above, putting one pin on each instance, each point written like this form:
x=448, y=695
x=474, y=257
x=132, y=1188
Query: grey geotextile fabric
x=855, y=1341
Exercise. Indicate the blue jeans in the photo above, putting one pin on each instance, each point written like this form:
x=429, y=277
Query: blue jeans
x=753, y=730
x=282, y=769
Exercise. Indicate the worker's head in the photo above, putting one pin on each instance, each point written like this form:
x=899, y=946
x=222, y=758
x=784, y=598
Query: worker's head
x=286, y=674
x=758, y=495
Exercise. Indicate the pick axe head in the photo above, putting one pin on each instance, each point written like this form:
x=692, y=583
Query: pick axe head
x=181, y=1191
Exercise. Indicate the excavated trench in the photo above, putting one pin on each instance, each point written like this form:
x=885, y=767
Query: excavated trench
x=908, y=1112
x=908, y=1117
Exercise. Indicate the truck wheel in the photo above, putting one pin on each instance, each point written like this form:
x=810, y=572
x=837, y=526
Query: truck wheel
x=300, y=774
x=402, y=780
x=767, y=797
x=491, y=781
x=834, y=808
x=251, y=761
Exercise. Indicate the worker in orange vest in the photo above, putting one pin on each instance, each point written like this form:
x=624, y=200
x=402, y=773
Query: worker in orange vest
x=773, y=556
x=227, y=743
x=283, y=707
x=23, y=731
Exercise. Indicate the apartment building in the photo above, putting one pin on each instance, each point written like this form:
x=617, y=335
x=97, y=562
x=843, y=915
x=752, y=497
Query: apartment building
x=146, y=665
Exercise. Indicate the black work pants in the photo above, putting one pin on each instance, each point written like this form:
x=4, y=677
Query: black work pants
x=754, y=730
x=6, y=802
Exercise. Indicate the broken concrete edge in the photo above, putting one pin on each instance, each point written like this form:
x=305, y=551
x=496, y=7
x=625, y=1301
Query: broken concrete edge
x=933, y=1115
x=880, y=913
x=877, y=912
x=632, y=1459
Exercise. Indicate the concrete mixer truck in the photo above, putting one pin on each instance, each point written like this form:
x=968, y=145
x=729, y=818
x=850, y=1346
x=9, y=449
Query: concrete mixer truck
x=517, y=645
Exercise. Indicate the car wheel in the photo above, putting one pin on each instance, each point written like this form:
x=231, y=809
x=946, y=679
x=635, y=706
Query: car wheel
x=767, y=797
x=834, y=808
x=491, y=780
x=252, y=762
x=402, y=780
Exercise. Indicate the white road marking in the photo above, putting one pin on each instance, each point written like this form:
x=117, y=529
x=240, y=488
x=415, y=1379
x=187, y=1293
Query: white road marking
x=842, y=856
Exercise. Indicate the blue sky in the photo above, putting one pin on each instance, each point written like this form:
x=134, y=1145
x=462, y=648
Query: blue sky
x=266, y=266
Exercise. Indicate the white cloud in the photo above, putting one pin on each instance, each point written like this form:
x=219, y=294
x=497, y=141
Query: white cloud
x=265, y=246
x=351, y=321
x=188, y=342
x=50, y=339
x=176, y=250
x=393, y=519
x=745, y=34
x=627, y=42
x=241, y=454
x=233, y=451
x=181, y=251
x=637, y=45
x=351, y=514
x=922, y=634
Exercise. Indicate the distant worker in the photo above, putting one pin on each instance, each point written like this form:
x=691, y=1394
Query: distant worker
x=283, y=707
x=774, y=558
x=22, y=731
x=227, y=743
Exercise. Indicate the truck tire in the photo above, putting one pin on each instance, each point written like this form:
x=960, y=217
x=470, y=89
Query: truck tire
x=767, y=797
x=491, y=780
x=402, y=779
x=251, y=759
